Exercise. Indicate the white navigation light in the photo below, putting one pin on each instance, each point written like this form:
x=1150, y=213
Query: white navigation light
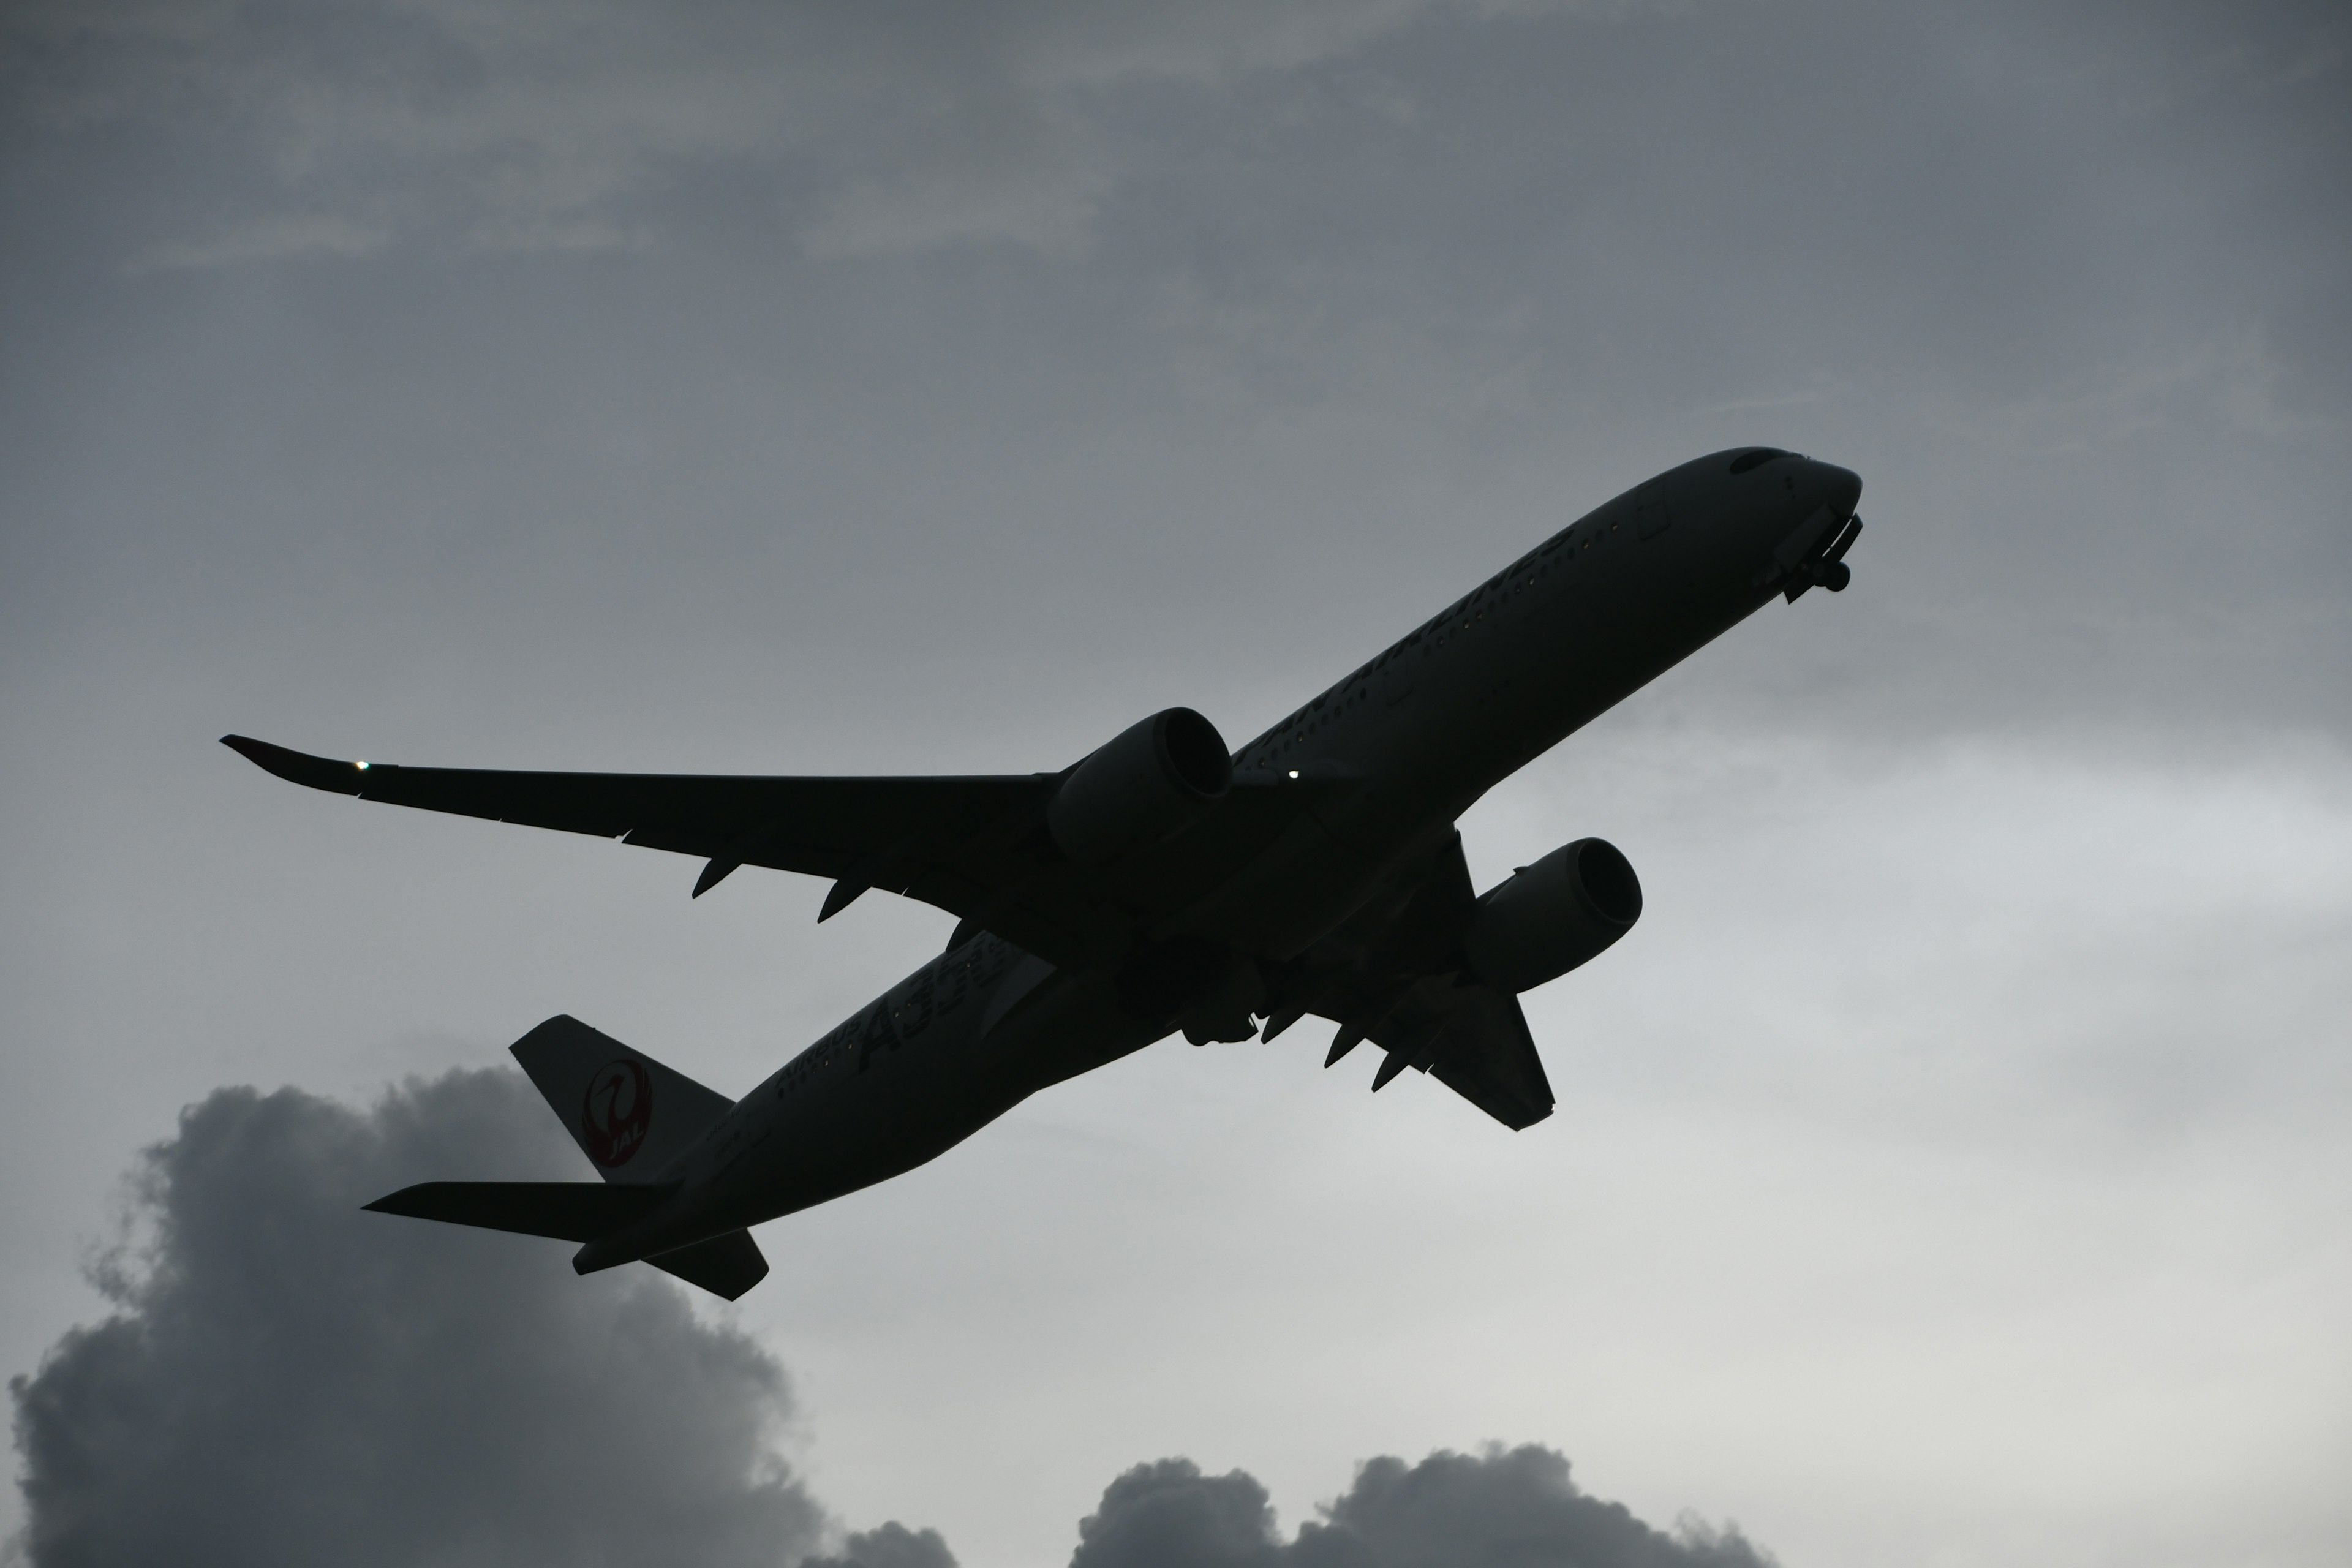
x=1294, y=773
x=363, y=767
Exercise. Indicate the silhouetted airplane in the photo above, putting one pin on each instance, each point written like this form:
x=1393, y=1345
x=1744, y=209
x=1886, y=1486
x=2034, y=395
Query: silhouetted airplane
x=1160, y=883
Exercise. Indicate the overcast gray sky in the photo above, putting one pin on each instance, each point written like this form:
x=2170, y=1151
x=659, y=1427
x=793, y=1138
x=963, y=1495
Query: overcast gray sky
x=1952, y=1169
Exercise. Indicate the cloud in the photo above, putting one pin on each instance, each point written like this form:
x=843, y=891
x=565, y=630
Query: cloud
x=292, y=236
x=1170, y=1513
x=1504, y=1506
x=289, y=1380
x=523, y=124
x=286, y=1380
x=892, y=1546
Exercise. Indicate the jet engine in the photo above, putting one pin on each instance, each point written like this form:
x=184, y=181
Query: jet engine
x=1553, y=915
x=1140, y=787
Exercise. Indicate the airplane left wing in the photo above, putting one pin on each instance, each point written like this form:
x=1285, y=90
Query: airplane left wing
x=1405, y=989
x=968, y=844
x=1481, y=1049
x=1472, y=1038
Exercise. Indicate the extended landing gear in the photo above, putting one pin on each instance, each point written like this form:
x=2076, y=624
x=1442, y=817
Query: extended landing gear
x=1827, y=570
x=1219, y=1030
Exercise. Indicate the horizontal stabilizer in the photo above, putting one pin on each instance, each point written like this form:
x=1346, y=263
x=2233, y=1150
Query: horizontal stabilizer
x=726, y=1265
x=569, y=1211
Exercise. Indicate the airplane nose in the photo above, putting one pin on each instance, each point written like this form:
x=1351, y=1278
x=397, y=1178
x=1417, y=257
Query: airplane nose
x=1840, y=489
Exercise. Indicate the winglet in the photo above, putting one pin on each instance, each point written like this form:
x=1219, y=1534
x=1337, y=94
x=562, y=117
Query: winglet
x=300, y=767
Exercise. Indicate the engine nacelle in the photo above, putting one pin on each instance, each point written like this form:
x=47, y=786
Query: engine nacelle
x=1553, y=915
x=1139, y=788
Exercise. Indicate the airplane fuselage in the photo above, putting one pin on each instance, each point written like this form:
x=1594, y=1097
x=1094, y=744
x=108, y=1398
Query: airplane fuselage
x=1385, y=761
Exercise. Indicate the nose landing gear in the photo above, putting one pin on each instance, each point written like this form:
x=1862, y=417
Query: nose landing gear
x=1827, y=570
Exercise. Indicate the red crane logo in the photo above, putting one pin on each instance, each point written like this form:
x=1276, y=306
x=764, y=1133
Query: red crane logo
x=615, y=1112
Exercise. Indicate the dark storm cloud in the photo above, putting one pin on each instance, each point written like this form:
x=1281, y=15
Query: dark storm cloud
x=289, y=1380
x=1511, y=1508
x=891, y=1546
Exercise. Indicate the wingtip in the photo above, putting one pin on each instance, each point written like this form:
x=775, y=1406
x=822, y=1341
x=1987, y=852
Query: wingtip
x=299, y=767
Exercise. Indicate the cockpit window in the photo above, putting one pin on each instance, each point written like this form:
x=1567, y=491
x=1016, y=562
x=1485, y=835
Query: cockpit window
x=1755, y=457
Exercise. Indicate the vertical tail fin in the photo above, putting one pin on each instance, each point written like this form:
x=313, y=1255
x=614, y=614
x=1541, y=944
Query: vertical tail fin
x=629, y=1114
